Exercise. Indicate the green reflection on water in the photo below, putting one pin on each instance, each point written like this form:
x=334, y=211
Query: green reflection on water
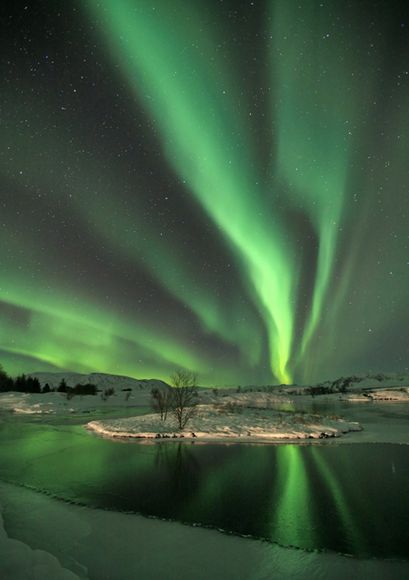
x=291, y=520
x=338, y=495
x=245, y=471
x=312, y=497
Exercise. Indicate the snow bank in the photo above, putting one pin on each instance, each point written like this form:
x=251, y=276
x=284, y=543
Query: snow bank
x=401, y=395
x=20, y=562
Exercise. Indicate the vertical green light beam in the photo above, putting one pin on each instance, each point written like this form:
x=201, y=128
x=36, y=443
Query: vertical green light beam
x=317, y=102
x=173, y=66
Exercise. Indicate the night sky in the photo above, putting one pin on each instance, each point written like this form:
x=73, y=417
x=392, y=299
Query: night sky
x=216, y=185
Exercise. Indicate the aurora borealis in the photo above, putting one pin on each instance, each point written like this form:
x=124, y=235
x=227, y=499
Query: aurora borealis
x=216, y=185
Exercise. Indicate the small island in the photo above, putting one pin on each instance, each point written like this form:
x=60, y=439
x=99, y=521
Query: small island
x=225, y=423
x=182, y=413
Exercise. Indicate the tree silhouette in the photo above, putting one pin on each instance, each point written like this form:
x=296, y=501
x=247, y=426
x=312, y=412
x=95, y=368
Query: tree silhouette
x=46, y=388
x=184, y=396
x=161, y=401
x=62, y=387
x=6, y=382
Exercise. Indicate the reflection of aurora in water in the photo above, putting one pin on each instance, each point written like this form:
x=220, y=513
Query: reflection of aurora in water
x=292, y=519
x=214, y=188
x=312, y=497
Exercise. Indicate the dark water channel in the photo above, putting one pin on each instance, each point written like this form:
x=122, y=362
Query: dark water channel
x=349, y=498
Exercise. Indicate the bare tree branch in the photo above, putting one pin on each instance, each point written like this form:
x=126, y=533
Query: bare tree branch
x=184, y=396
x=161, y=401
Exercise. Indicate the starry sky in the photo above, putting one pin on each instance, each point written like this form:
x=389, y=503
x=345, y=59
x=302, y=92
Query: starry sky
x=218, y=185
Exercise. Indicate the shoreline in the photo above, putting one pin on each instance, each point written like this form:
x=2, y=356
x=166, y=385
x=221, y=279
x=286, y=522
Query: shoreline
x=61, y=550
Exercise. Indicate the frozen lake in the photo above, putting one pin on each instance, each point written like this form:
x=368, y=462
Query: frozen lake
x=324, y=500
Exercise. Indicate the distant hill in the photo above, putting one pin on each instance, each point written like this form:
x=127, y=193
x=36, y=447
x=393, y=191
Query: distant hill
x=359, y=382
x=369, y=381
x=101, y=380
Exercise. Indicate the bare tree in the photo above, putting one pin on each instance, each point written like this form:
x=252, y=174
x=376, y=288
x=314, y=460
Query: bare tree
x=161, y=401
x=184, y=396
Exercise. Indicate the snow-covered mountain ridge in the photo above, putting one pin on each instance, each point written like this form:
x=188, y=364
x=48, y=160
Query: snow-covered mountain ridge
x=101, y=380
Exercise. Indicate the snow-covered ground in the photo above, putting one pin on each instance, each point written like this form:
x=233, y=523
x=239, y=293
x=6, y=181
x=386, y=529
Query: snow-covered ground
x=226, y=422
x=399, y=395
x=127, y=392
x=59, y=403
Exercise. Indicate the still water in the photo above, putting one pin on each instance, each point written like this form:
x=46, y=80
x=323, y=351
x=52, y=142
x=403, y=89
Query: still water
x=348, y=498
